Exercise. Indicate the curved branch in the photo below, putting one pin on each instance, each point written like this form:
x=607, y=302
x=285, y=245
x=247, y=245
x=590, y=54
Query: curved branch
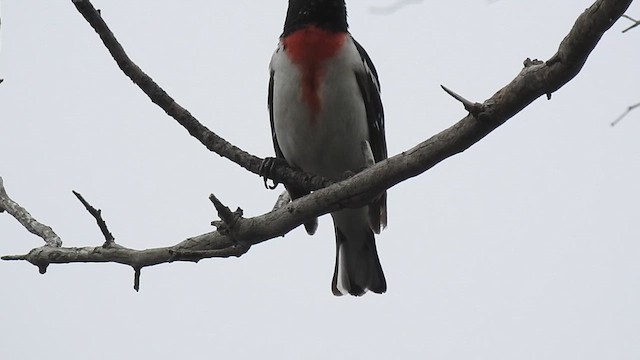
x=536, y=79
x=279, y=172
x=22, y=215
x=561, y=68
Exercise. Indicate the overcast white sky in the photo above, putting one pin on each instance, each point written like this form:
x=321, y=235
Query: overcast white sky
x=526, y=246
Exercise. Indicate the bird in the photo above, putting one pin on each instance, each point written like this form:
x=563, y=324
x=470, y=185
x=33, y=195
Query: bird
x=327, y=119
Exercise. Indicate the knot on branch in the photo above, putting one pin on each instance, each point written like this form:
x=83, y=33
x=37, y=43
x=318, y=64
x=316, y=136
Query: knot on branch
x=35, y=258
x=528, y=62
x=283, y=200
x=42, y=268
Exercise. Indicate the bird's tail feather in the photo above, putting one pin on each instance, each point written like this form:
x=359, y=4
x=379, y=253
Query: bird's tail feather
x=357, y=266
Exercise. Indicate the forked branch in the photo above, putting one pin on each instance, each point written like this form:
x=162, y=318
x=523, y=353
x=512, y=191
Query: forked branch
x=534, y=80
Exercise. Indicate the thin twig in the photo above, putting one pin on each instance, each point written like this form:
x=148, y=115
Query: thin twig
x=473, y=108
x=97, y=214
x=629, y=109
x=636, y=23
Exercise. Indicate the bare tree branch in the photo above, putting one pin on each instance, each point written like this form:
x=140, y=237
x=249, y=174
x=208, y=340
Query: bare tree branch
x=280, y=172
x=536, y=79
x=29, y=223
x=629, y=109
x=636, y=23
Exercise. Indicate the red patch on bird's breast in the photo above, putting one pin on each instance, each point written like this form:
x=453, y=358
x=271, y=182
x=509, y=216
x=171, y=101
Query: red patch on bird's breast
x=309, y=48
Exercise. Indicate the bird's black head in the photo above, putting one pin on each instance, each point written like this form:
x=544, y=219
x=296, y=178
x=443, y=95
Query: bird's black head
x=326, y=14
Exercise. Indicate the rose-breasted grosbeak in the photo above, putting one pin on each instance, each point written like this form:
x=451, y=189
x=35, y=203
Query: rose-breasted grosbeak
x=327, y=119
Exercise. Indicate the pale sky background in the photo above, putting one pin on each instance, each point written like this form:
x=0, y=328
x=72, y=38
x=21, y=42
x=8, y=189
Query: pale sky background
x=526, y=246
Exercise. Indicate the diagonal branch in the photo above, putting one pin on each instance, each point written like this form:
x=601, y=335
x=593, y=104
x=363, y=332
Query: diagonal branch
x=280, y=172
x=625, y=113
x=535, y=80
x=97, y=214
x=29, y=223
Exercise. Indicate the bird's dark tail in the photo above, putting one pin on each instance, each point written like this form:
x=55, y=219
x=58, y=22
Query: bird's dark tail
x=357, y=266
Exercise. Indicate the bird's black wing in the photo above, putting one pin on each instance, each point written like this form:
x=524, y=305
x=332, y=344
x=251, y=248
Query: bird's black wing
x=369, y=85
x=276, y=147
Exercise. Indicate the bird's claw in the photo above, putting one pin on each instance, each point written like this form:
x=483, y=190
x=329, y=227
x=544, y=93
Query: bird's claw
x=266, y=171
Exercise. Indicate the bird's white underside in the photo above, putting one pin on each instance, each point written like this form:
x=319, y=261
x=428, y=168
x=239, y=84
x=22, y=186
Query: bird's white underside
x=331, y=143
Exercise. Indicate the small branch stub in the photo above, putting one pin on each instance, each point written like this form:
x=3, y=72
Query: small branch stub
x=473, y=108
x=136, y=278
x=528, y=62
x=283, y=200
x=229, y=218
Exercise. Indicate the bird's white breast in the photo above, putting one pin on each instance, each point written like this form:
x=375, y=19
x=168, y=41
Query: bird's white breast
x=327, y=142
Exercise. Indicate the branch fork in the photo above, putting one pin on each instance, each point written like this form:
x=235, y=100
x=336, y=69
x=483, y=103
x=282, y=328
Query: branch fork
x=236, y=234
